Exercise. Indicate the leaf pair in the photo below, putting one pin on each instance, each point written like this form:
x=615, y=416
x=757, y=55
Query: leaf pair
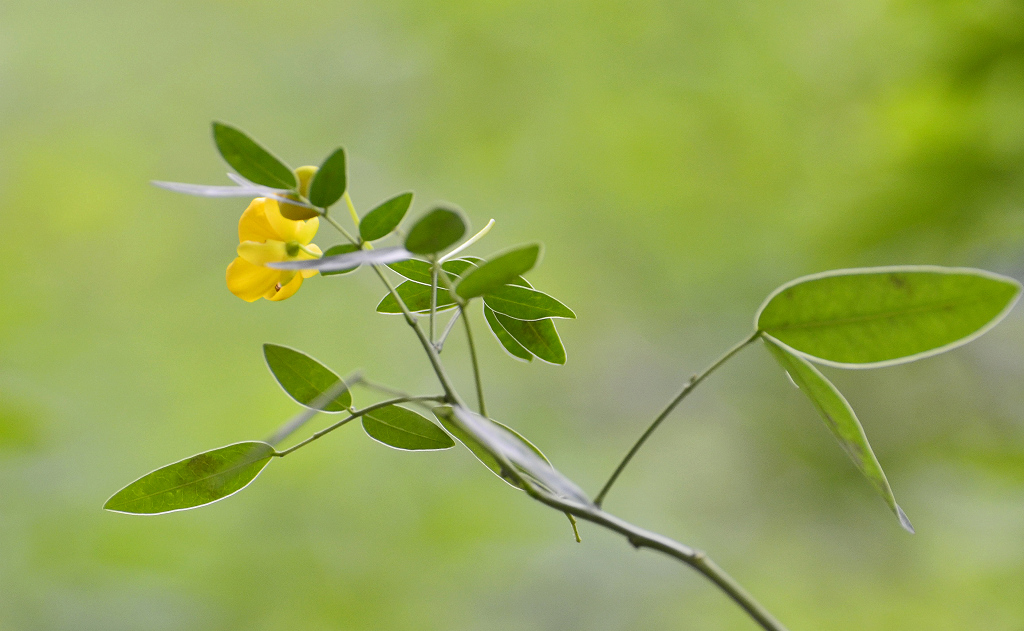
x=867, y=318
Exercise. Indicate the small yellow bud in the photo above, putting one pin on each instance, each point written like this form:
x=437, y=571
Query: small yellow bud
x=305, y=175
x=293, y=211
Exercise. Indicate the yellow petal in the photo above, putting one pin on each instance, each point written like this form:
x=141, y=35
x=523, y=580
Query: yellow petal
x=307, y=230
x=254, y=226
x=248, y=281
x=263, y=253
x=307, y=273
x=287, y=290
x=286, y=229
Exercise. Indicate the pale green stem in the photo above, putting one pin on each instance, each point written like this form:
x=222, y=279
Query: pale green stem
x=476, y=367
x=468, y=242
x=447, y=331
x=351, y=209
x=340, y=228
x=690, y=385
x=434, y=267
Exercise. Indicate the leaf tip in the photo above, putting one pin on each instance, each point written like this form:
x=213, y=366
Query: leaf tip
x=904, y=520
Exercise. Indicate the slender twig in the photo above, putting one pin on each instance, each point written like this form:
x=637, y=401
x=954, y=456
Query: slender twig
x=434, y=267
x=468, y=242
x=690, y=385
x=340, y=228
x=355, y=415
x=351, y=209
x=476, y=365
x=447, y=331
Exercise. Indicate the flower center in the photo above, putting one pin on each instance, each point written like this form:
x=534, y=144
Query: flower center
x=292, y=248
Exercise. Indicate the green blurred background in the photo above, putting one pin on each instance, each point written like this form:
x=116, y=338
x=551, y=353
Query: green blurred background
x=679, y=160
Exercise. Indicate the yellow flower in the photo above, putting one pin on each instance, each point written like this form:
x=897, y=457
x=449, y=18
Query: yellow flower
x=266, y=236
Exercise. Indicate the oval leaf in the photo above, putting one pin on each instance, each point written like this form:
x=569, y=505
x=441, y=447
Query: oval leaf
x=537, y=336
x=523, y=303
x=330, y=181
x=419, y=271
x=498, y=271
x=509, y=343
x=305, y=379
x=251, y=160
x=404, y=429
x=196, y=481
x=382, y=220
x=435, y=231
x=338, y=250
x=416, y=297
x=346, y=261
x=864, y=318
x=841, y=421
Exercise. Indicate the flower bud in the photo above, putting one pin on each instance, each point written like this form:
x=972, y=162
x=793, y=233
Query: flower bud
x=294, y=211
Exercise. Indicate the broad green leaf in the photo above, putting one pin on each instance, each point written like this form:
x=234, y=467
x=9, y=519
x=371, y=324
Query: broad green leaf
x=201, y=479
x=380, y=256
x=498, y=271
x=840, y=420
x=330, y=181
x=305, y=379
x=416, y=297
x=537, y=336
x=863, y=318
x=404, y=429
x=382, y=220
x=251, y=160
x=344, y=248
x=435, y=231
x=509, y=343
x=523, y=303
x=419, y=271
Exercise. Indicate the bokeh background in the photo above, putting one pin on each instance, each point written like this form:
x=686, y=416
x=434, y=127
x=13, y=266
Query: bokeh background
x=678, y=159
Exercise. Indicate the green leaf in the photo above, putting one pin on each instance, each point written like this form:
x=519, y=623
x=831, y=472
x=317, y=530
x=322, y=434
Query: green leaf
x=251, y=160
x=435, y=231
x=419, y=271
x=537, y=336
x=305, y=379
x=416, y=297
x=330, y=181
x=379, y=222
x=840, y=420
x=523, y=303
x=498, y=271
x=344, y=248
x=509, y=343
x=864, y=318
x=404, y=429
x=201, y=479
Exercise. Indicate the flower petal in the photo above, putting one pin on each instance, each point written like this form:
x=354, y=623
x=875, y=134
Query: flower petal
x=287, y=229
x=261, y=253
x=287, y=290
x=254, y=226
x=248, y=281
x=307, y=230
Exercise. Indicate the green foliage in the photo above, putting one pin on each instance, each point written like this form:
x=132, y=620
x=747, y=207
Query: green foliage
x=382, y=220
x=523, y=303
x=330, y=181
x=251, y=160
x=840, y=420
x=305, y=379
x=337, y=250
x=196, y=481
x=416, y=297
x=882, y=316
x=538, y=337
x=400, y=428
x=498, y=271
x=509, y=343
x=435, y=231
x=419, y=271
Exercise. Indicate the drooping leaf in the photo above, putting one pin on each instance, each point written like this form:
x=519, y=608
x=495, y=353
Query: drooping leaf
x=305, y=379
x=537, y=336
x=501, y=443
x=330, y=181
x=252, y=161
x=201, y=479
x=382, y=220
x=337, y=250
x=498, y=271
x=404, y=429
x=840, y=420
x=509, y=343
x=861, y=318
x=416, y=297
x=435, y=231
x=419, y=271
x=381, y=256
x=523, y=303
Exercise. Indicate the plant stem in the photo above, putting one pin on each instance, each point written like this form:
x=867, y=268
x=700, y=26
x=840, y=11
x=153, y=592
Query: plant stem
x=690, y=385
x=468, y=242
x=351, y=209
x=434, y=267
x=340, y=228
x=355, y=415
x=476, y=366
x=447, y=331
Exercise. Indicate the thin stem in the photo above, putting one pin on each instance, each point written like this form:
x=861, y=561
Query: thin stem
x=434, y=267
x=355, y=415
x=351, y=209
x=690, y=385
x=340, y=228
x=468, y=242
x=447, y=331
x=476, y=366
